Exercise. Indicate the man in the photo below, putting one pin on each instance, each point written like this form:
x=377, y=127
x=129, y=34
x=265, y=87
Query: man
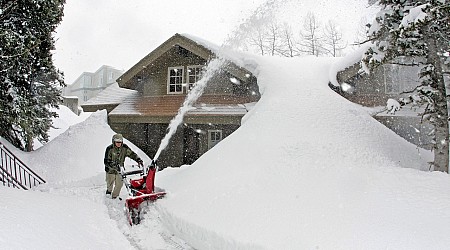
x=114, y=159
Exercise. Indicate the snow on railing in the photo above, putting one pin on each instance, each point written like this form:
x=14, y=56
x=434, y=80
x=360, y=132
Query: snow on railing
x=14, y=173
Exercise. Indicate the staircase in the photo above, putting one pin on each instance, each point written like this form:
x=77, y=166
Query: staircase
x=14, y=173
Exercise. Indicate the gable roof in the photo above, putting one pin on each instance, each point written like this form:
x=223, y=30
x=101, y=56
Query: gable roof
x=196, y=46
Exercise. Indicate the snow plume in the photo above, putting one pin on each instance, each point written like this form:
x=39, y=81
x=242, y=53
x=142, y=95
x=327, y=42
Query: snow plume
x=264, y=14
x=210, y=70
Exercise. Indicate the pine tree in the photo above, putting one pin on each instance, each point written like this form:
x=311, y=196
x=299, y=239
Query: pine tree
x=29, y=82
x=418, y=30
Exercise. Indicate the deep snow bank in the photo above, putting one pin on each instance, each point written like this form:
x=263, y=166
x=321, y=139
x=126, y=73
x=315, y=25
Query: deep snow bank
x=77, y=153
x=65, y=119
x=307, y=169
x=37, y=220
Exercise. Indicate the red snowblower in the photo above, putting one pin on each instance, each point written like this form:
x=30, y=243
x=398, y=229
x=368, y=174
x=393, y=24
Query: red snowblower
x=140, y=185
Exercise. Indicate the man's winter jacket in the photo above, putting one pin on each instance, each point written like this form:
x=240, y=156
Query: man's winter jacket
x=115, y=158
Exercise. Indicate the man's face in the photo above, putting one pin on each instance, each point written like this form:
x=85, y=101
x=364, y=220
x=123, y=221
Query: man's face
x=118, y=144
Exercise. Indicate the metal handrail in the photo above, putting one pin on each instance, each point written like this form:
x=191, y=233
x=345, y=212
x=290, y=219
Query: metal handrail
x=15, y=173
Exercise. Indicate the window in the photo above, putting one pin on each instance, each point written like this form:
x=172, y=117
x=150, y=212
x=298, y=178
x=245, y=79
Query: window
x=87, y=81
x=175, y=80
x=194, y=74
x=398, y=79
x=391, y=79
x=214, y=137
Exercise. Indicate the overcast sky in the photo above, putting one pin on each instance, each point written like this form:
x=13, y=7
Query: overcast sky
x=121, y=32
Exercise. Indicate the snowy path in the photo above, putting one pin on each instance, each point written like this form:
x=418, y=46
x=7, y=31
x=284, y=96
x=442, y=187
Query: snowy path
x=150, y=234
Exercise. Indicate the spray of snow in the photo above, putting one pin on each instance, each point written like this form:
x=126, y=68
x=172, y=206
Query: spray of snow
x=211, y=69
x=262, y=15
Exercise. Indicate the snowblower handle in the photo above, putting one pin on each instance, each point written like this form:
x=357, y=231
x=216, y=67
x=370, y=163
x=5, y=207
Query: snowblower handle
x=140, y=171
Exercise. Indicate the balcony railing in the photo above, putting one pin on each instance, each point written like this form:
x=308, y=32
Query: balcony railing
x=14, y=173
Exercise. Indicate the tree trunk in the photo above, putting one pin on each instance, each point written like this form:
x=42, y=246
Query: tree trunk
x=441, y=157
x=440, y=117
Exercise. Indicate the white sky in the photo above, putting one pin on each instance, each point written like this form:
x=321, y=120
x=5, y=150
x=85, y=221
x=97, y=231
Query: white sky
x=306, y=170
x=121, y=32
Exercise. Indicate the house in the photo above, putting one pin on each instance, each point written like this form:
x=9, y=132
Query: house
x=88, y=84
x=161, y=81
x=72, y=103
x=108, y=99
x=389, y=81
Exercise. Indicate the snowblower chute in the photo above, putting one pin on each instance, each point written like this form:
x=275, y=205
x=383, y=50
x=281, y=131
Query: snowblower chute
x=140, y=185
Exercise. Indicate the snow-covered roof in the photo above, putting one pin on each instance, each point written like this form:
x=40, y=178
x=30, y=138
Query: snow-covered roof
x=168, y=105
x=350, y=61
x=113, y=94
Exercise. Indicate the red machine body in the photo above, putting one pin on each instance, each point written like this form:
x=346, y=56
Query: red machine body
x=139, y=190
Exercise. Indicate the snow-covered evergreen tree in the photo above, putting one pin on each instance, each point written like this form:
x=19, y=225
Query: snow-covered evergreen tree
x=418, y=30
x=29, y=82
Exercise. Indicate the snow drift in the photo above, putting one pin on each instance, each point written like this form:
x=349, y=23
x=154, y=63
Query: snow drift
x=307, y=169
x=79, y=151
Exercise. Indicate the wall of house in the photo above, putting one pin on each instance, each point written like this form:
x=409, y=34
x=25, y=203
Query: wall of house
x=367, y=90
x=387, y=81
x=88, y=85
x=203, y=136
x=222, y=84
x=172, y=155
x=71, y=103
x=154, y=77
x=152, y=81
x=410, y=128
x=148, y=138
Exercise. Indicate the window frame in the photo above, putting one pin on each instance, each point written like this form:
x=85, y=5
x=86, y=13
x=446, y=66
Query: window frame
x=169, y=77
x=197, y=75
x=211, y=142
